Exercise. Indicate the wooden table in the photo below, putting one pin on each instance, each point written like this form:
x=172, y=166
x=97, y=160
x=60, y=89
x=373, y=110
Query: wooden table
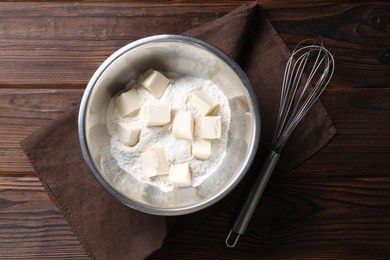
x=336, y=205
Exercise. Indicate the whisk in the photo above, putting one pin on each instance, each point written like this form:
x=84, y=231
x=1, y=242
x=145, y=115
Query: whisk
x=298, y=95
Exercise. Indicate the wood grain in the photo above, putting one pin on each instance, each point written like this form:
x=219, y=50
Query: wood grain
x=362, y=146
x=30, y=221
x=299, y=218
x=23, y=111
x=302, y=218
x=334, y=206
x=358, y=34
x=72, y=40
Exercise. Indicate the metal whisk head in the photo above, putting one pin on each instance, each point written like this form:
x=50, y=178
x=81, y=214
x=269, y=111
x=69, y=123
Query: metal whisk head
x=298, y=91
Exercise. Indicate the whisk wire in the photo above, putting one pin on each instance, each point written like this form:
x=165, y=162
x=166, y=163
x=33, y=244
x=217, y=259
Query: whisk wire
x=286, y=103
x=294, y=104
x=281, y=105
x=298, y=95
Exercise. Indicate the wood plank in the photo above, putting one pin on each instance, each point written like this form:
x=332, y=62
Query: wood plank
x=72, y=39
x=358, y=34
x=319, y=210
x=300, y=218
x=362, y=145
x=31, y=226
x=23, y=111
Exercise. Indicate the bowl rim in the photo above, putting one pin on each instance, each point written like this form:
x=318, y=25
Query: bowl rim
x=253, y=146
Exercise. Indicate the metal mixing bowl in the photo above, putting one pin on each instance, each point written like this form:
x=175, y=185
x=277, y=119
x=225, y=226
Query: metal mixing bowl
x=185, y=55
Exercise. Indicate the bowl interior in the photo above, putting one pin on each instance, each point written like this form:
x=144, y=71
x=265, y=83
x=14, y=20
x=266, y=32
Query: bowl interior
x=185, y=56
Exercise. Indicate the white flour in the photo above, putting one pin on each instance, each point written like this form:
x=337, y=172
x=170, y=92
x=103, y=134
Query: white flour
x=178, y=151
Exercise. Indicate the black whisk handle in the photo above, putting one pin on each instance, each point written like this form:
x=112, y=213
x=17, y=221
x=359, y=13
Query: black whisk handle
x=252, y=200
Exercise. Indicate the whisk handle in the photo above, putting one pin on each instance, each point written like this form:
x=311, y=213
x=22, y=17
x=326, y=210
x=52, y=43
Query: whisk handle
x=253, y=198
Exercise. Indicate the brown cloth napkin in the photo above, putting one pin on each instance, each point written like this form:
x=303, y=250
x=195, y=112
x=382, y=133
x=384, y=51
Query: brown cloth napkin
x=109, y=230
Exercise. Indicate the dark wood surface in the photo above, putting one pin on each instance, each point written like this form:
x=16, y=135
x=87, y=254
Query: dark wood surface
x=336, y=205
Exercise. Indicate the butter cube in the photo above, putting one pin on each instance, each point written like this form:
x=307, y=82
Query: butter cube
x=180, y=175
x=183, y=125
x=128, y=133
x=154, y=162
x=202, y=102
x=210, y=127
x=157, y=114
x=154, y=82
x=201, y=149
x=128, y=103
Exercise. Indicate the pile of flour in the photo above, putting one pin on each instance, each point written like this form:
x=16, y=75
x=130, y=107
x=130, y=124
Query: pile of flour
x=177, y=150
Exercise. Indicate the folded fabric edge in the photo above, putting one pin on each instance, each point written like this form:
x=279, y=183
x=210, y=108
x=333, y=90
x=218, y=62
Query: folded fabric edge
x=219, y=21
x=31, y=142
